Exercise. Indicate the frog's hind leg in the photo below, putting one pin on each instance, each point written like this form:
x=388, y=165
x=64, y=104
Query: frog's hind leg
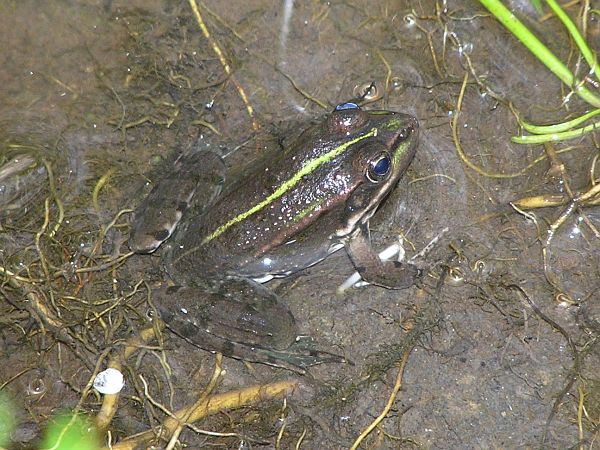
x=240, y=319
x=194, y=179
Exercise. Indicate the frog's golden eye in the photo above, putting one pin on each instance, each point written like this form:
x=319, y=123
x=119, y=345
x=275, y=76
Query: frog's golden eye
x=379, y=167
x=346, y=117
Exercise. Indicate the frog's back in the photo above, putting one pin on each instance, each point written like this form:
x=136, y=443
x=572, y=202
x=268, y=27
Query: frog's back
x=266, y=207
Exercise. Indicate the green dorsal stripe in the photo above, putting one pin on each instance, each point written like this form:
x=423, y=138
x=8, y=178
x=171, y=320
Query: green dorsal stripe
x=289, y=184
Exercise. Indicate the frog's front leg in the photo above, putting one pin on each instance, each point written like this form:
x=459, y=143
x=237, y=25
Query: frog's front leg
x=388, y=274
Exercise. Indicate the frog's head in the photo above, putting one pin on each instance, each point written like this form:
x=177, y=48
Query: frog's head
x=371, y=151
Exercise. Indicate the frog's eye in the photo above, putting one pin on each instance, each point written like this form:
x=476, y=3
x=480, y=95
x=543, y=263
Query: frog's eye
x=345, y=118
x=347, y=105
x=379, y=167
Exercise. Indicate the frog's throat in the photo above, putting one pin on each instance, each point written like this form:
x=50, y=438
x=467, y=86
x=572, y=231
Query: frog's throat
x=289, y=184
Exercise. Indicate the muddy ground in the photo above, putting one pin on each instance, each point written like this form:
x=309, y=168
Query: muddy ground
x=497, y=349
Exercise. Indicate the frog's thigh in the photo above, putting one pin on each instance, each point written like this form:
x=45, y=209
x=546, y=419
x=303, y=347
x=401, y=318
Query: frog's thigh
x=240, y=312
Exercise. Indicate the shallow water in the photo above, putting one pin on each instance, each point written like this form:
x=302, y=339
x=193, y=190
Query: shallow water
x=99, y=96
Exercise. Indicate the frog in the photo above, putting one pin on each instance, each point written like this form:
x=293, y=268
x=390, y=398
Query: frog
x=222, y=238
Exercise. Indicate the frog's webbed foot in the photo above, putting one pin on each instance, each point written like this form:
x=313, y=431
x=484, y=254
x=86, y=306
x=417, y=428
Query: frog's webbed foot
x=183, y=186
x=295, y=359
x=388, y=274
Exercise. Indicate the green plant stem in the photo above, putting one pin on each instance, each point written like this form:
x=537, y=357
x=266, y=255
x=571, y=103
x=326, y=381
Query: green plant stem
x=576, y=35
x=559, y=127
x=541, y=52
x=555, y=137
